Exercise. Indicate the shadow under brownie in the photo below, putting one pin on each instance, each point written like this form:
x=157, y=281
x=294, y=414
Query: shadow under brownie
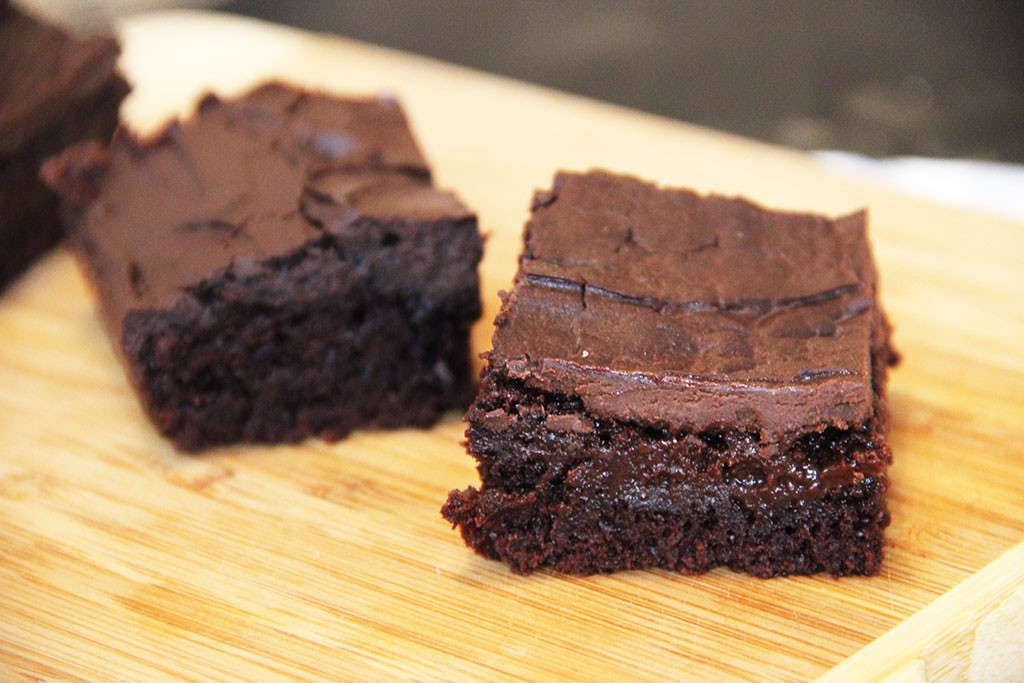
x=682, y=382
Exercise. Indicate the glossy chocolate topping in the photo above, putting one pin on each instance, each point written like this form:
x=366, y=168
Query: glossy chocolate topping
x=241, y=182
x=695, y=313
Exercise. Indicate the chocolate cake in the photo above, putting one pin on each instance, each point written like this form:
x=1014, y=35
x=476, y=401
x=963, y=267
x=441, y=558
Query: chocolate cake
x=55, y=89
x=278, y=266
x=685, y=382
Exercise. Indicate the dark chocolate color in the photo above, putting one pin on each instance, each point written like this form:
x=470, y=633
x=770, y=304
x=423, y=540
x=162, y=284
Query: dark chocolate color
x=691, y=312
x=684, y=382
x=55, y=89
x=279, y=266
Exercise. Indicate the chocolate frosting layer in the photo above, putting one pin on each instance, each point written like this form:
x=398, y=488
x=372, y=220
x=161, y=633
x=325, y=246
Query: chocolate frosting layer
x=241, y=182
x=672, y=309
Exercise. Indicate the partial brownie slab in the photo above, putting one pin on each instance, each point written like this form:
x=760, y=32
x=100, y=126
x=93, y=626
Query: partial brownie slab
x=684, y=382
x=279, y=266
x=55, y=89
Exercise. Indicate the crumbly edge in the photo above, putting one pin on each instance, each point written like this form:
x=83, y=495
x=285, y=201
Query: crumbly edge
x=308, y=345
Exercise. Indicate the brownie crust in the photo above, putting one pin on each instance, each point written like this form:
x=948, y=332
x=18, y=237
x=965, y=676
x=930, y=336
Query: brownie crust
x=277, y=267
x=55, y=89
x=682, y=382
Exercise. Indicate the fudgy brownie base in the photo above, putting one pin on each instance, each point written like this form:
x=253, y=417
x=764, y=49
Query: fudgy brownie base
x=323, y=341
x=584, y=496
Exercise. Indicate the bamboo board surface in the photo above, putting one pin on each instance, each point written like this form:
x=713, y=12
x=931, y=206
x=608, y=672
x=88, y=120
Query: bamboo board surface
x=123, y=560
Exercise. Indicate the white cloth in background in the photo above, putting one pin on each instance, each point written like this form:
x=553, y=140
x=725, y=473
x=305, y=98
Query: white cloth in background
x=985, y=186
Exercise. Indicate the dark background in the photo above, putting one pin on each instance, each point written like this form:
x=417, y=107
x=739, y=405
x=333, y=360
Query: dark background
x=938, y=78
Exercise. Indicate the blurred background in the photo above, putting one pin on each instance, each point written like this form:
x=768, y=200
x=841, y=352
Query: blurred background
x=881, y=78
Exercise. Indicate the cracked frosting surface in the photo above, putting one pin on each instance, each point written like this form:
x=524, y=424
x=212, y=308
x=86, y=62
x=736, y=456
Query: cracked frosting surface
x=692, y=312
x=243, y=181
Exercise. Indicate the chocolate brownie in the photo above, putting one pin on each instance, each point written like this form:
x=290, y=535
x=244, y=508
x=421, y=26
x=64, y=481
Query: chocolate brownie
x=685, y=382
x=55, y=89
x=278, y=266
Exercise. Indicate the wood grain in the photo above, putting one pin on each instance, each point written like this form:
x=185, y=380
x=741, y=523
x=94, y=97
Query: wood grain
x=123, y=560
x=974, y=632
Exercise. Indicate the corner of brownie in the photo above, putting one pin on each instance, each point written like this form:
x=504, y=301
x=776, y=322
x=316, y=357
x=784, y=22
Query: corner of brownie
x=685, y=382
x=56, y=89
x=277, y=267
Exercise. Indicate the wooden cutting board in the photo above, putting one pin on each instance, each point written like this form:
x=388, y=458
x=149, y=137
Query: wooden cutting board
x=121, y=559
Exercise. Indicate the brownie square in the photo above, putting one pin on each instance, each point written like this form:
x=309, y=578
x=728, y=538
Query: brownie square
x=685, y=382
x=55, y=89
x=278, y=266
